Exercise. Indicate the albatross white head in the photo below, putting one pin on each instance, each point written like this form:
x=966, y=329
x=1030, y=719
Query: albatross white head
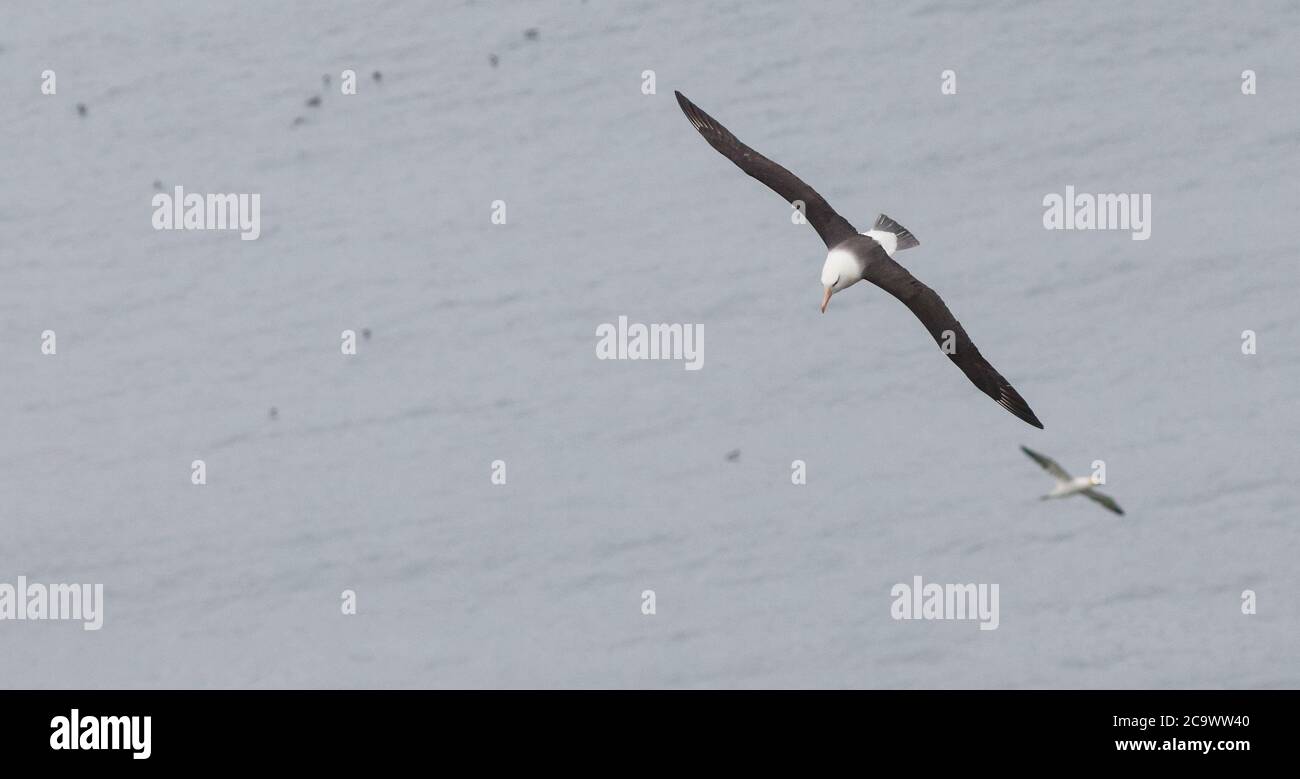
x=841, y=270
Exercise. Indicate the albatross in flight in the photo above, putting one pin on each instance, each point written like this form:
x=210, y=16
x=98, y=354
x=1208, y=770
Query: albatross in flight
x=1067, y=485
x=855, y=256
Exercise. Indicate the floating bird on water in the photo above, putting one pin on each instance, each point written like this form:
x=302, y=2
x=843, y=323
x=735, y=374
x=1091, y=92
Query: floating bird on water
x=1067, y=485
x=855, y=256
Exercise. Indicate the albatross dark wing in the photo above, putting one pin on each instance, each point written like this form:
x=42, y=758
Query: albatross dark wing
x=832, y=227
x=930, y=309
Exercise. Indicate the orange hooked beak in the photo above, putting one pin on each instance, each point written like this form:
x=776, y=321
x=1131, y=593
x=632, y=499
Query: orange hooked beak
x=826, y=299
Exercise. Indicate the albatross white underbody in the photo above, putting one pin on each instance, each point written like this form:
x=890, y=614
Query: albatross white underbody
x=854, y=256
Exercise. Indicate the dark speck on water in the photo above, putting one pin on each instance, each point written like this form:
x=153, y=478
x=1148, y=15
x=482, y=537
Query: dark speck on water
x=314, y=102
x=377, y=76
x=365, y=333
x=532, y=33
x=733, y=455
x=494, y=59
x=81, y=109
x=274, y=413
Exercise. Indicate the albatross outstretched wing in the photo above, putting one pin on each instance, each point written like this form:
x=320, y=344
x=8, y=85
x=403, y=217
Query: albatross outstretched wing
x=928, y=307
x=1048, y=464
x=1104, y=500
x=832, y=227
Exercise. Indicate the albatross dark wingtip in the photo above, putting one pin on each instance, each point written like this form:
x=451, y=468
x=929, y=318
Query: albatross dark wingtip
x=686, y=105
x=701, y=121
x=1027, y=414
x=1011, y=401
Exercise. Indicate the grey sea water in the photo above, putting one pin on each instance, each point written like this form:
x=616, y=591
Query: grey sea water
x=374, y=476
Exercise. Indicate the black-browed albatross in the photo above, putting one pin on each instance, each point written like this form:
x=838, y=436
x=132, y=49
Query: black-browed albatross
x=854, y=256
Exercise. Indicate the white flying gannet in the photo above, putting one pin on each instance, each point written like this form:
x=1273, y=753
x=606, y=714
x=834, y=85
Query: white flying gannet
x=855, y=256
x=1067, y=485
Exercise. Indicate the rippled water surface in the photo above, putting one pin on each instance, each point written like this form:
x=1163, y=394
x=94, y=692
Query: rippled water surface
x=374, y=475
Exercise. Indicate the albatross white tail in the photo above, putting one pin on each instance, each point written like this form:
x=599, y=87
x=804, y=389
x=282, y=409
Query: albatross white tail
x=891, y=235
